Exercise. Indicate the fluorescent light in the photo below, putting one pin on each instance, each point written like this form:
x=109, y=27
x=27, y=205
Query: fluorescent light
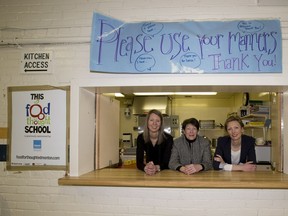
x=119, y=95
x=114, y=94
x=173, y=93
x=152, y=93
x=195, y=93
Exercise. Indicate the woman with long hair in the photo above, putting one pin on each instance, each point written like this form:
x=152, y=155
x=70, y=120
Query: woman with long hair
x=153, y=145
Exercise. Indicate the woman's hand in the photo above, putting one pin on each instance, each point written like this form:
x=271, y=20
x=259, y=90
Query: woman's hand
x=249, y=166
x=191, y=168
x=150, y=168
x=219, y=159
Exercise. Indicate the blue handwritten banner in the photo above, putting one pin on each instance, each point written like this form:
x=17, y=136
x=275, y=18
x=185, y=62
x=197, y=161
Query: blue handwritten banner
x=249, y=46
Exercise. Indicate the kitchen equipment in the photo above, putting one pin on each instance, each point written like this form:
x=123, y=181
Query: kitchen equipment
x=263, y=154
x=142, y=105
x=127, y=140
x=207, y=124
x=128, y=156
x=260, y=141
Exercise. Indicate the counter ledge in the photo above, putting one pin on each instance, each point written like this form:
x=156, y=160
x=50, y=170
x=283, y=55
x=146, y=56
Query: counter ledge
x=127, y=177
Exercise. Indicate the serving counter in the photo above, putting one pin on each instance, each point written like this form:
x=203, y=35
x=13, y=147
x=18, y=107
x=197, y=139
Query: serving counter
x=127, y=177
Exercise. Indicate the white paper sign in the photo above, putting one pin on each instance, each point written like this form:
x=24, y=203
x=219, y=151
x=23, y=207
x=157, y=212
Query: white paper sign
x=38, y=134
x=36, y=62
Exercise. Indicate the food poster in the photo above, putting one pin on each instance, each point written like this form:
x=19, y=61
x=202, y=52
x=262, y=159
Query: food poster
x=38, y=128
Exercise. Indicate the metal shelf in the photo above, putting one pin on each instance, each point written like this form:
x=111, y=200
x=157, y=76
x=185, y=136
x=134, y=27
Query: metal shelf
x=264, y=127
x=253, y=116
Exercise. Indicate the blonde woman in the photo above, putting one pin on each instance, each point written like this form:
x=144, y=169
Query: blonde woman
x=236, y=151
x=153, y=145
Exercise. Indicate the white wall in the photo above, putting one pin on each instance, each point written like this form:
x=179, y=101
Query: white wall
x=64, y=27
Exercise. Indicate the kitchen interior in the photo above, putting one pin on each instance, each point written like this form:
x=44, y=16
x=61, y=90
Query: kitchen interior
x=260, y=112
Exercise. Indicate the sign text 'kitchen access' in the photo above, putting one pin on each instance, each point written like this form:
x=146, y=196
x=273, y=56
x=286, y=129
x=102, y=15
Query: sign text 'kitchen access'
x=36, y=62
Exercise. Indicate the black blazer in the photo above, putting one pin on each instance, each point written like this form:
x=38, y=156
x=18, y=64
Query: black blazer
x=224, y=149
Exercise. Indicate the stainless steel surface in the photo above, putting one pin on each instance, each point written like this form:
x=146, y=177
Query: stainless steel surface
x=207, y=124
x=142, y=105
x=263, y=153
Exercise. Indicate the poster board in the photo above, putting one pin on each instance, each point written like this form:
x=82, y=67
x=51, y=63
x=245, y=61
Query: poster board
x=38, y=122
x=190, y=47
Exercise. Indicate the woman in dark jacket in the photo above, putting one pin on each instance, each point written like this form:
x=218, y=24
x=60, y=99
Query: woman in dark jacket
x=153, y=145
x=235, y=152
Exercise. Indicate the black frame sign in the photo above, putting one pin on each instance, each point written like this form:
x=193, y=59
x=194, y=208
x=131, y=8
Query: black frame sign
x=38, y=118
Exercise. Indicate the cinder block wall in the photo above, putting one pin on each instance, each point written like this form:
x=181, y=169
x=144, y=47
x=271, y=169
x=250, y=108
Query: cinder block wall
x=64, y=27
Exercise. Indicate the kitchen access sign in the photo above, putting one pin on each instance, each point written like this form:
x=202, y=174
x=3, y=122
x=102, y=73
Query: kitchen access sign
x=239, y=46
x=36, y=62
